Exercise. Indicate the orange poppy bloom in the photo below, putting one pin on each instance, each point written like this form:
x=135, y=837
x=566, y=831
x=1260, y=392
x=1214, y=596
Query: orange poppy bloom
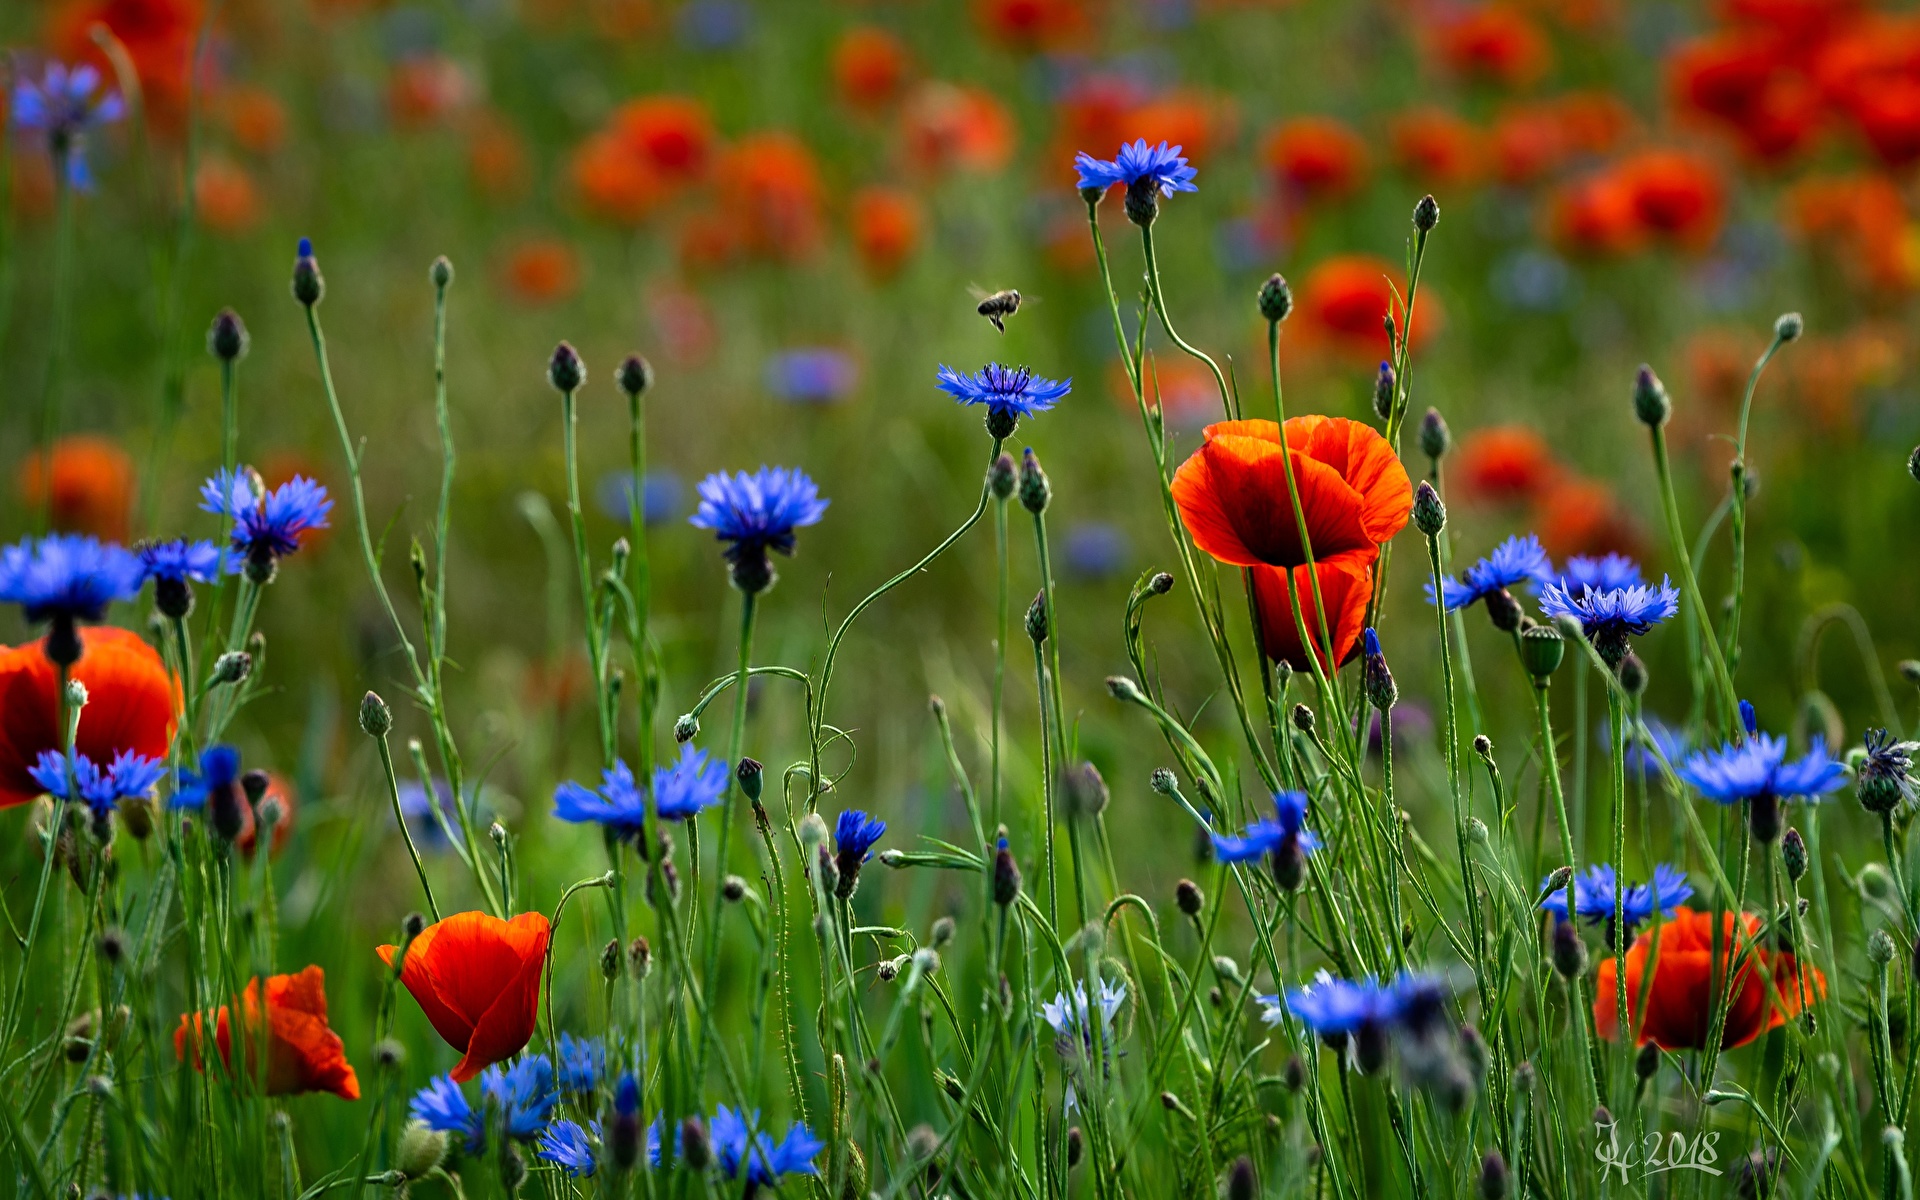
x=1582, y=516
x=496, y=157
x=1595, y=216
x=1180, y=388
x=92, y=486
x=1679, y=1006
x=886, y=229
x=947, y=128
x=131, y=702
x=1677, y=195
x=869, y=68
x=256, y=118
x=224, y=196
x=1316, y=158
x=1505, y=464
x=1344, y=299
x=1030, y=24
x=1592, y=122
x=303, y=1054
x=425, y=89
x=1495, y=44
x=1435, y=147
x=159, y=37
x=771, y=195
x=1744, y=81
x=477, y=978
x=1529, y=143
x=1094, y=112
x=542, y=271
x=1188, y=120
x=1862, y=216
x=1354, y=494
x=280, y=795
x=613, y=183
x=670, y=134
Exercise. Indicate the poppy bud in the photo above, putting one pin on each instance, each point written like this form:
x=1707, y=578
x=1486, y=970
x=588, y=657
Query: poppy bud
x=1647, y=1063
x=1789, y=326
x=1303, y=718
x=1188, y=898
x=1383, y=391
x=1569, y=951
x=1276, y=299
x=1880, y=947
x=1494, y=1176
x=1633, y=674
x=308, y=286
x=1160, y=584
x=1143, y=201
x=1426, y=214
x=1650, y=402
x=1541, y=648
x=1162, y=781
x=227, y=338
x=1241, y=1181
x=686, y=728
x=441, y=272
x=1793, y=855
x=1002, y=475
x=1076, y=1147
x=1035, y=491
x=1086, y=791
x=565, y=371
x=635, y=376
x=1376, y=681
x=751, y=776
x=1006, y=876
x=813, y=830
x=376, y=719
x=1037, y=618
x=421, y=1150
x=1435, y=437
x=1429, y=514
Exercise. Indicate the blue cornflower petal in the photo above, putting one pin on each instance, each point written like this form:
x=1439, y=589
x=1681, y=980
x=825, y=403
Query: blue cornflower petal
x=442, y=1106
x=695, y=781
x=267, y=523
x=1163, y=167
x=219, y=770
x=618, y=804
x=758, y=512
x=1609, y=617
x=524, y=1094
x=1513, y=562
x=67, y=577
x=582, y=1062
x=812, y=375
x=565, y=1144
x=855, y=834
x=1008, y=392
x=1602, y=574
x=180, y=560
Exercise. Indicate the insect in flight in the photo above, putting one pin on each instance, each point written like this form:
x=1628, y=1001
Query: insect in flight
x=996, y=307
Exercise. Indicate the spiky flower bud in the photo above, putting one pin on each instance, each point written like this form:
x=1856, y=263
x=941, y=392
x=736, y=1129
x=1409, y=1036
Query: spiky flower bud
x=1376, y=680
x=1647, y=1063
x=1650, y=402
x=1086, y=791
x=376, y=719
x=1880, y=947
x=421, y=1150
x=1541, y=650
x=752, y=777
x=227, y=338
x=1163, y=781
x=565, y=371
x=1426, y=214
x=308, y=285
x=610, y=959
x=1483, y=747
x=686, y=728
x=1035, y=491
x=1002, y=476
x=813, y=831
x=1793, y=855
x=1494, y=1176
x=1429, y=514
x=1036, y=621
x=1557, y=879
x=1569, y=951
x=636, y=376
x=1006, y=876
x=1303, y=718
x=1276, y=299
x=1435, y=438
x=1789, y=326
x=1160, y=584
x=1384, y=388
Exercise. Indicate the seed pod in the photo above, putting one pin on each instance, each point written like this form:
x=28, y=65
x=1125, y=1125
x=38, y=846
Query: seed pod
x=1542, y=649
x=751, y=776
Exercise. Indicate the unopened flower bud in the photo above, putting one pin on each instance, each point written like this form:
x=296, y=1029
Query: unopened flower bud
x=413, y=925
x=1188, y=898
x=308, y=286
x=1076, y=1147
x=1037, y=618
x=639, y=957
x=389, y=1053
x=813, y=830
x=1160, y=584
x=565, y=371
x=1429, y=514
x=1122, y=688
x=1569, y=951
x=751, y=776
x=1541, y=649
x=1376, y=681
x=1006, y=876
x=376, y=719
x=1650, y=402
x=1494, y=1176
x=1880, y=947
x=1163, y=781
x=1086, y=791
x=1002, y=476
x=610, y=959
x=1435, y=437
x=1384, y=388
x=1789, y=326
x=421, y=1150
x=1647, y=1063
x=1303, y=718
x=686, y=728
x=1793, y=855
x=1276, y=298
x=1483, y=746
x=441, y=272
x=1035, y=491
x=227, y=338
x=636, y=376
x=1633, y=674
x=1426, y=214
x=232, y=667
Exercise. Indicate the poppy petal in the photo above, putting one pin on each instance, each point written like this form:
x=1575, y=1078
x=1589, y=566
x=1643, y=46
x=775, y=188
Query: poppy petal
x=1346, y=587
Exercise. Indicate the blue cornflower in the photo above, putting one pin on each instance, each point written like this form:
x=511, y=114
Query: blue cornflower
x=63, y=104
x=564, y=1143
x=582, y=1062
x=1757, y=771
x=1610, y=617
x=1139, y=167
x=524, y=1094
x=812, y=375
x=1337, y=1010
x=1654, y=741
x=1008, y=392
x=694, y=782
x=1884, y=779
x=757, y=513
x=1068, y=1015
x=764, y=1162
x=441, y=1105
x=659, y=495
x=618, y=804
x=1285, y=837
x=1093, y=550
x=179, y=560
x=854, y=835
x=267, y=523
x=426, y=815
x=219, y=771
x=1595, y=892
x=64, y=579
x=1603, y=574
x=1513, y=562
x=129, y=776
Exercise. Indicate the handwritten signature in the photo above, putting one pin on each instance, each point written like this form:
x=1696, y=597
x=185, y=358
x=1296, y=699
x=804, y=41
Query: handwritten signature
x=1654, y=1154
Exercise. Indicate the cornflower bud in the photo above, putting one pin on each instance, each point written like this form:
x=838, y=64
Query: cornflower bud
x=389, y=1053
x=1483, y=746
x=1035, y=491
x=1037, y=618
x=813, y=831
x=1006, y=875
x=1276, y=299
x=232, y=667
x=413, y=925
x=1002, y=476
x=1303, y=718
x=1160, y=584
x=1122, y=688
x=1789, y=326
x=1426, y=214
x=1569, y=951
x=1188, y=897
x=1793, y=855
x=1383, y=391
x=1633, y=674
x=440, y=274
x=1435, y=437
x=1650, y=402
x=733, y=889
x=227, y=338
x=640, y=957
x=308, y=286
x=610, y=959
x=1376, y=681
x=1880, y=948
x=1429, y=514
x=421, y=1150
x=1494, y=1176
x=686, y=728
x=565, y=371
x=1647, y=1063
x=1076, y=1147
x=1163, y=781
x=635, y=376
x=1086, y=791
x=376, y=719
x=752, y=778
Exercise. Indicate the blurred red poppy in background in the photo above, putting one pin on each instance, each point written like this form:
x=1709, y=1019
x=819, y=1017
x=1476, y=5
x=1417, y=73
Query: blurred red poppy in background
x=885, y=224
x=158, y=35
x=870, y=68
x=1437, y=148
x=1677, y=196
x=1680, y=1003
x=1031, y=24
x=542, y=271
x=1505, y=464
x=1315, y=159
x=303, y=1054
x=771, y=195
x=944, y=128
x=131, y=702
x=92, y=488
x=1343, y=302
x=1494, y=43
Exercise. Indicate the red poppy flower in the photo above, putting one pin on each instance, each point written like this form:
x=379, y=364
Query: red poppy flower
x=1582, y=516
x=159, y=37
x=1030, y=24
x=1677, y=195
x=771, y=195
x=1529, y=143
x=869, y=68
x=303, y=1054
x=944, y=128
x=1344, y=299
x=885, y=223
x=224, y=196
x=477, y=978
x=613, y=183
x=1592, y=122
x=280, y=796
x=1595, y=217
x=1345, y=589
x=1496, y=44
x=496, y=157
x=256, y=118
x=1505, y=463
x=1316, y=158
x=1191, y=121
x=1437, y=148
x=425, y=89
x=1864, y=218
x=1094, y=111
x=542, y=271
x=671, y=134
x=131, y=702
x=92, y=486
x=1679, y=1005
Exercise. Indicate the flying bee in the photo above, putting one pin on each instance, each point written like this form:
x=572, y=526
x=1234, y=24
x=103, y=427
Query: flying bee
x=998, y=306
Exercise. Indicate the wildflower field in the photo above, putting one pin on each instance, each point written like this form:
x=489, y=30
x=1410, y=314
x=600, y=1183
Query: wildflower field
x=959, y=598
